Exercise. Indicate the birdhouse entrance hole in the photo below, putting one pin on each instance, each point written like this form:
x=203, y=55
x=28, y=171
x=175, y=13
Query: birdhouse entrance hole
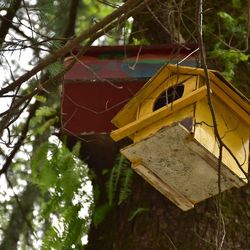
x=169, y=95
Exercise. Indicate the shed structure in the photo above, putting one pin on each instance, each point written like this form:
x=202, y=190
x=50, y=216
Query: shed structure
x=174, y=147
x=105, y=78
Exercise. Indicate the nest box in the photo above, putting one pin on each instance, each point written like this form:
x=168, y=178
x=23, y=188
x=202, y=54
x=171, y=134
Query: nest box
x=174, y=147
x=105, y=78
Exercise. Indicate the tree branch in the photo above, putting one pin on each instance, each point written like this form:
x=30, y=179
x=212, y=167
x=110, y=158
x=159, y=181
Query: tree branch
x=102, y=25
x=7, y=19
x=208, y=84
x=91, y=39
x=70, y=29
x=20, y=140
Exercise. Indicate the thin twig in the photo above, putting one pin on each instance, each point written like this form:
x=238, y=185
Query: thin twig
x=20, y=141
x=115, y=17
x=220, y=239
x=91, y=39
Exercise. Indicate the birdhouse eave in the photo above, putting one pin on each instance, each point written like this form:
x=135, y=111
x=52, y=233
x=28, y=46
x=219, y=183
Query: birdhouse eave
x=228, y=92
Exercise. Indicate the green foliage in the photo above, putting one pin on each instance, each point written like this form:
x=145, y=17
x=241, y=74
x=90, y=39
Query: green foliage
x=118, y=187
x=228, y=20
x=55, y=68
x=93, y=11
x=112, y=184
x=236, y=4
x=100, y=213
x=47, y=125
x=61, y=178
x=126, y=184
x=73, y=229
x=227, y=33
x=45, y=117
x=230, y=23
x=230, y=59
x=136, y=212
x=51, y=17
x=41, y=98
x=54, y=44
x=57, y=172
x=45, y=111
x=120, y=181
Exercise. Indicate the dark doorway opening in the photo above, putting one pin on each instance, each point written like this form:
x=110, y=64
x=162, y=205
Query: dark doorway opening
x=169, y=95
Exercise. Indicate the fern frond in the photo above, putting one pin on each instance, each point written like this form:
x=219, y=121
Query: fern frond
x=126, y=185
x=46, y=111
x=136, y=212
x=113, y=181
x=119, y=184
x=60, y=175
x=100, y=213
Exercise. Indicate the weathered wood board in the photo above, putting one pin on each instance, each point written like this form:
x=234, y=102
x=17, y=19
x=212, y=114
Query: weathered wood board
x=179, y=167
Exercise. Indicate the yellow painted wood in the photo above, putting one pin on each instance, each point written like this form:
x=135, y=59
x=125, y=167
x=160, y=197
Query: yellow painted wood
x=129, y=111
x=159, y=114
x=233, y=131
x=187, y=112
x=231, y=91
x=231, y=103
x=146, y=106
x=223, y=84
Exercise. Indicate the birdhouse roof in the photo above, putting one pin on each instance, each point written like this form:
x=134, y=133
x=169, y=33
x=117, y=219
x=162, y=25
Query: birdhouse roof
x=227, y=92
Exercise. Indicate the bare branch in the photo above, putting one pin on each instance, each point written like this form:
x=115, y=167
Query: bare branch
x=70, y=29
x=7, y=19
x=20, y=140
x=105, y=24
x=221, y=225
x=38, y=89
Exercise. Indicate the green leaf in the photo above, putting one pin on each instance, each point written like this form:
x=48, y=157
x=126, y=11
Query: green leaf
x=76, y=149
x=100, y=213
x=114, y=179
x=126, y=185
x=41, y=98
x=45, y=111
x=70, y=182
x=243, y=57
x=74, y=232
x=230, y=59
x=55, y=68
x=48, y=177
x=236, y=4
x=55, y=44
x=51, y=240
x=228, y=19
x=39, y=159
x=47, y=125
x=136, y=212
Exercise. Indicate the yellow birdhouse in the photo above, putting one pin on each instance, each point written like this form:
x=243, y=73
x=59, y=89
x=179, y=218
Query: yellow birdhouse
x=174, y=147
